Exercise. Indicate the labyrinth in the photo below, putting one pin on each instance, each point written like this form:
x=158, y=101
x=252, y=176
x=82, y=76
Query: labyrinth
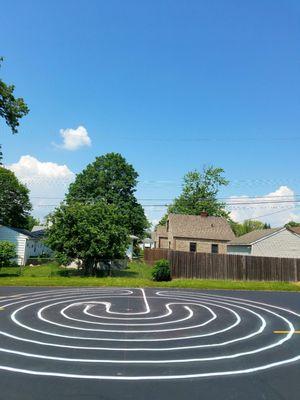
x=143, y=334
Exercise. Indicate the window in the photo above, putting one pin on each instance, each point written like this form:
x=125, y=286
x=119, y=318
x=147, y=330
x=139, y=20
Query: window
x=215, y=248
x=193, y=246
x=168, y=226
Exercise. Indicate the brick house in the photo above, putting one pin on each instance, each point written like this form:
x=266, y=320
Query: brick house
x=196, y=233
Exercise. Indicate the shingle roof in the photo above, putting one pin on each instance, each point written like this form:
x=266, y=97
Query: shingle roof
x=295, y=229
x=200, y=227
x=161, y=230
x=253, y=236
x=38, y=231
x=24, y=232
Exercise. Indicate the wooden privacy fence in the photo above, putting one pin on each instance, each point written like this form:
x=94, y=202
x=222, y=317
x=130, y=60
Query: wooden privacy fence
x=227, y=266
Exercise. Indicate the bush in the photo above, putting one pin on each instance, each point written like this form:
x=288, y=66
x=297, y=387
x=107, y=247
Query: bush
x=161, y=271
x=7, y=253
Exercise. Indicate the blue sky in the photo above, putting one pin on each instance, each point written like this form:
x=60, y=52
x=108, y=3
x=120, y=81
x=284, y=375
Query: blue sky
x=171, y=85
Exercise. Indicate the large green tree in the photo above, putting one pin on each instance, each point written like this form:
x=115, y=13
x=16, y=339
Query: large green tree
x=292, y=224
x=199, y=194
x=112, y=179
x=247, y=226
x=15, y=205
x=88, y=232
x=12, y=108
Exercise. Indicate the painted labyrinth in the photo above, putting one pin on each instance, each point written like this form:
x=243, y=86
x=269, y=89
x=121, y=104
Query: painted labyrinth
x=123, y=334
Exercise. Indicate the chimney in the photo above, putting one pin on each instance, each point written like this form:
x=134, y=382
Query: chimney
x=204, y=214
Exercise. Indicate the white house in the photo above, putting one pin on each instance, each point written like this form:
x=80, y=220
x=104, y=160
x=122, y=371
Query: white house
x=147, y=243
x=276, y=242
x=28, y=244
x=129, y=251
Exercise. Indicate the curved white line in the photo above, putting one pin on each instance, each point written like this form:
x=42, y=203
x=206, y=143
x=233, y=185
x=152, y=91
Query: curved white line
x=189, y=316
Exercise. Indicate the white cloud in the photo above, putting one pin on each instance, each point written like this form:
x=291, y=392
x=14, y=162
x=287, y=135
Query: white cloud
x=280, y=204
x=73, y=139
x=47, y=181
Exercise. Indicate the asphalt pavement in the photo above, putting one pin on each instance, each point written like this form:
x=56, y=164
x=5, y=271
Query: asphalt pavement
x=123, y=343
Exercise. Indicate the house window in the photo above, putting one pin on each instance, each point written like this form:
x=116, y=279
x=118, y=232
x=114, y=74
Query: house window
x=215, y=248
x=168, y=226
x=193, y=246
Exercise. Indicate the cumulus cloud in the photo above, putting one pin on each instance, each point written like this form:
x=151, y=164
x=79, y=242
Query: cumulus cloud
x=74, y=139
x=276, y=208
x=47, y=182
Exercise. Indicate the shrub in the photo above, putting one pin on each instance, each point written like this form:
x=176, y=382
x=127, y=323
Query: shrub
x=7, y=253
x=161, y=271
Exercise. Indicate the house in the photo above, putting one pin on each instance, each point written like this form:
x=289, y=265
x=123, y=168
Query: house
x=275, y=242
x=147, y=243
x=295, y=229
x=196, y=233
x=129, y=251
x=28, y=244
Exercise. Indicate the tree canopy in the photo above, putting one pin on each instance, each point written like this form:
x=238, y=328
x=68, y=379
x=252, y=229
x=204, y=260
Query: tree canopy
x=292, y=224
x=12, y=108
x=199, y=194
x=112, y=179
x=15, y=205
x=247, y=226
x=88, y=232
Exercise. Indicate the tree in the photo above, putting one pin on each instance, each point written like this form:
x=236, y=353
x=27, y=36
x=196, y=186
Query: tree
x=88, y=232
x=247, y=226
x=12, y=109
x=7, y=253
x=199, y=194
x=112, y=179
x=14, y=200
x=31, y=222
x=292, y=224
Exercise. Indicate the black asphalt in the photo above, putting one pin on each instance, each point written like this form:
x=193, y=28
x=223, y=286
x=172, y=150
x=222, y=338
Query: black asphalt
x=25, y=337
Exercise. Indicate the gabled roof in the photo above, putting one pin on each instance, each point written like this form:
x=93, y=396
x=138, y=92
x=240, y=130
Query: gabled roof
x=254, y=236
x=200, y=227
x=23, y=232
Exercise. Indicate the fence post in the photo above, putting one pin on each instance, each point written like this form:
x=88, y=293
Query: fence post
x=295, y=270
x=244, y=268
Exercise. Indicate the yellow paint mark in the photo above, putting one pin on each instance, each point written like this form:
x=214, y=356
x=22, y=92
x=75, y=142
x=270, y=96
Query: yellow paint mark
x=283, y=332
x=2, y=308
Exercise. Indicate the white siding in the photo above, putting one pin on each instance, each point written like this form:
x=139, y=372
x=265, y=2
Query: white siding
x=282, y=244
x=18, y=239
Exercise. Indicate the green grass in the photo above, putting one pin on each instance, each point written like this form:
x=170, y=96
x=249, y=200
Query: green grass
x=136, y=275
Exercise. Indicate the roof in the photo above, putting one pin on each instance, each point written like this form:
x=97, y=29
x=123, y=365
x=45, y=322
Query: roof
x=161, y=230
x=200, y=227
x=295, y=229
x=253, y=236
x=25, y=232
x=38, y=231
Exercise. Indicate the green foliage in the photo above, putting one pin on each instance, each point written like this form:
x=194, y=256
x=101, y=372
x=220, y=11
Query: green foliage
x=88, y=232
x=12, y=109
x=31, y=222
x=247, y=226
x=14, y=200
x=161, y=271
x=112, y=179
x=199, y=194
x=292, y=224
x=7, y=253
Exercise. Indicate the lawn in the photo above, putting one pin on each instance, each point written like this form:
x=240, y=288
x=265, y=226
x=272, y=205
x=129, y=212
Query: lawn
x=136, y=275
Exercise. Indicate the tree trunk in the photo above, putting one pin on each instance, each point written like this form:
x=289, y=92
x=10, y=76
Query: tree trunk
x=88, y=265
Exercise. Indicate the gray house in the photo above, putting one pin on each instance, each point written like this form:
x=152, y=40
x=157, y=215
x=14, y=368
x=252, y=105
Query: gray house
x=276, y=242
